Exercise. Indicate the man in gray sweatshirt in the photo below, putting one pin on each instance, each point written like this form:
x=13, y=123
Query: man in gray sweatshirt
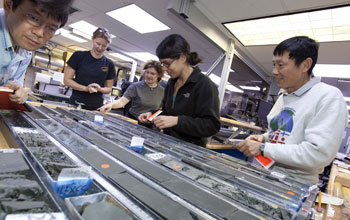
x=307, y=122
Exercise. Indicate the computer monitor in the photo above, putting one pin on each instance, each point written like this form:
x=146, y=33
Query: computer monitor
x=264, y=109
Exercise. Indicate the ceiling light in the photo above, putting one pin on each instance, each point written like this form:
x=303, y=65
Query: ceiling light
x=76, y=47
x=348, y=107
x=233, y=88
x=216, y=79
x=137, y=19
x=143, y=56
x=347, y=99
x=255, y=88
x=85, y=29
x=332, y=71
x=325, y=25
x=121, y=57
x=67, y=34
x=76, y=31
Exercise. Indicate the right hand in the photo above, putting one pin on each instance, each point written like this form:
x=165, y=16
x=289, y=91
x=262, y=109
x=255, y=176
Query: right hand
x=250, y=148
x=106, y=108
x=144, y=117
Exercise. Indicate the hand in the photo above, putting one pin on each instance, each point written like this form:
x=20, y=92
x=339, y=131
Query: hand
x=20, y=95
x=92, y=90
x=258, y=138
x=106, y=108
x=250, y=148
x=93, y=87
x=164, y=121
x=144, y=117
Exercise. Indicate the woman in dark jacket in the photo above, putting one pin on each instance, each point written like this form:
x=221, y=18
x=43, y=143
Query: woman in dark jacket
x=191, y=103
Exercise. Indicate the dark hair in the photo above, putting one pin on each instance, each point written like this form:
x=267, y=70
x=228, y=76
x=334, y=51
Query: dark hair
x=57, y=9
x=173, y=46
x=299, y=48
x=156, y=65
x=102, y=33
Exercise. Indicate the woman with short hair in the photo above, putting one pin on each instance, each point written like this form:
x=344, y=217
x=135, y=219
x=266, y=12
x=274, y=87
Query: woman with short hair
x=145, y=95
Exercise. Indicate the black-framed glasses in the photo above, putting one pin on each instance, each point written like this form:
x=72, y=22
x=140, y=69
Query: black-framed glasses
x=167, y=64
x=37, y=22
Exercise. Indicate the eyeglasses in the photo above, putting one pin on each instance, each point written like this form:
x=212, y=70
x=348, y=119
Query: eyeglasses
x=105, y=31
x=167, y=64
x=37, y=22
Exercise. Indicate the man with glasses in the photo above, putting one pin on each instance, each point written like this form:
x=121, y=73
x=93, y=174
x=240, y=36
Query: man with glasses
x=26, y=25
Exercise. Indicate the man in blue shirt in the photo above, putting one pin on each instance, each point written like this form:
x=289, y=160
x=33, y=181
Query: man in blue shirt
x=26, y=25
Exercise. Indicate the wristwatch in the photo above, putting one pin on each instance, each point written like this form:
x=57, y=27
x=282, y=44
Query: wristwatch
x=262, y=148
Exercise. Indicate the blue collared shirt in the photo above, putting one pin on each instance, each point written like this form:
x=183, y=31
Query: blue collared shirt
x=12, y=65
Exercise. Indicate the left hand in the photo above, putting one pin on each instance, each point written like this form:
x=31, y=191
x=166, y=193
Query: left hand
x=164, y=121
x=20, y=95
x=94, y=87
x=249, y=148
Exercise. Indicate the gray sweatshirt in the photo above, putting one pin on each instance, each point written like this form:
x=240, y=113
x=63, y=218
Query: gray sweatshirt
x=306, y=129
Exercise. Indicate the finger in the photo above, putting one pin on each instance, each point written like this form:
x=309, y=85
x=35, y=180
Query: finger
x=12, y=85
x=241, y=148
x=241, y=144
x=156, y=123
x=162, y=125
x=156, y=120
x=247, y=152
x=17, y=100
x=254, y=138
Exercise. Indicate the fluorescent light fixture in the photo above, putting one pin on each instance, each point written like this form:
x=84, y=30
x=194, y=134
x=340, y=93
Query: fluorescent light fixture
x=143, y=56
x=348, y=107
x=343, y=80
x=121, y=57
x=216, y=79
x=67, y=34
x=84, y=29
x=76, y=47
x=347, y=99
x=332, y=70
x=255, y=88
x=325, y=25
x=233, y=88
x=232, y=71
x=76, y=31
x=137, y=19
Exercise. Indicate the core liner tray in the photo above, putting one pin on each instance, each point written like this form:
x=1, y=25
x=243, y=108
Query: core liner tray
x=208, y=185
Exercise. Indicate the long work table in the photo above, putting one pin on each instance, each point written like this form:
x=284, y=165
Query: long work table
x=167, y=178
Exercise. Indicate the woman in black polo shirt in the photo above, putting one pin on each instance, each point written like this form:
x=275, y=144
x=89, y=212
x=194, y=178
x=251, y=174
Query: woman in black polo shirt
x=90, y=74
